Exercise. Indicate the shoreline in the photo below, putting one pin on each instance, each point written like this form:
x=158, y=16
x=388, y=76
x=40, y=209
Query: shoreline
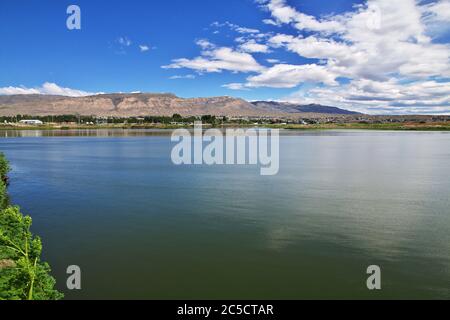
x=302, y=127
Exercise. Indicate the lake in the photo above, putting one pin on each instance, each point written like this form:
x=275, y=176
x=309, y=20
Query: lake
x=112, y=202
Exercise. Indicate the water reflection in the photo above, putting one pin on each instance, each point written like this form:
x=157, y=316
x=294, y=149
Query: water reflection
x=166, y=132
x=342, y=200
x=84, y=133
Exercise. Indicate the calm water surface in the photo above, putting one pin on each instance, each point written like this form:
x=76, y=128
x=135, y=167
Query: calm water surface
x=139, y=227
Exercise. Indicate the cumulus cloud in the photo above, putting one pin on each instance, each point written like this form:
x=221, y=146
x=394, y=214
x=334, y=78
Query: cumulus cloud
x=235, y=86
x=438, y=11
x=246, y=30
x=380, y=44
x=381, y=54
x=425, y=97
x=46, y=89
x=253, y=47
x=283, y=13
x=368, y=48
x=437, y=17
x=215, y=59
x=287, y=76
x=205, y=44
x=270, y=22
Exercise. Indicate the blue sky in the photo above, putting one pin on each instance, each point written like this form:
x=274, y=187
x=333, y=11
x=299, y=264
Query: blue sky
x=374, y=56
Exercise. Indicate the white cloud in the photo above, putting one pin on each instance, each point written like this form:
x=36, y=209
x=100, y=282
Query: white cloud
x=286, y=76
x=436, y=16
x=252, y=46
x=439, y=11
x=144, y=48
x=205, y=44
x=246, y=30
x=188, y=76
x=283, y=13
x=376, y=41
x=313, y=47
x=290, y=76
x=270, y=22
x=218, y=59
x=124, y=41
x=373, y=49
x=381, y=96
x=18, y=90
x=234, y=27
x=235, y=86
x=46, y=89
x=378, y=44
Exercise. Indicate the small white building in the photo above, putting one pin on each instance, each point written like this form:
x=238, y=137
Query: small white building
x=32, y=122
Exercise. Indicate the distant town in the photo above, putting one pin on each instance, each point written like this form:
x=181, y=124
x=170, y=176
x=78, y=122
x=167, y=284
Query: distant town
x=357, y=121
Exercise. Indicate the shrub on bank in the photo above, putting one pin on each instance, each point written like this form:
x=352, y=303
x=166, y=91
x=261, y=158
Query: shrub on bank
x=23, y=276
x=3, y=196
x=4, y=167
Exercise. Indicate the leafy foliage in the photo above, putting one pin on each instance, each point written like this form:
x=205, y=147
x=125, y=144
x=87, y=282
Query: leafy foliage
x=23, y=276
x=4, y=199
x=4, y=167
x=29, y=279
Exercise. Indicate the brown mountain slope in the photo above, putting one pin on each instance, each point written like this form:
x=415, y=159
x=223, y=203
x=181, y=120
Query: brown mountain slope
x=125, y=105
x=145, y=104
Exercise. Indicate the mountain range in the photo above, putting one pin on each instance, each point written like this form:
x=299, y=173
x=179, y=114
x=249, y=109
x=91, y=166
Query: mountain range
x=299, y=108
x=145, y=104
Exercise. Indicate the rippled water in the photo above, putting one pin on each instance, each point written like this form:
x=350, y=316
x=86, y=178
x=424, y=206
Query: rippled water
x=140, y=227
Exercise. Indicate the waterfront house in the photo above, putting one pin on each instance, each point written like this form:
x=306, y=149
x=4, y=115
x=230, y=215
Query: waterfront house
x=32, y=122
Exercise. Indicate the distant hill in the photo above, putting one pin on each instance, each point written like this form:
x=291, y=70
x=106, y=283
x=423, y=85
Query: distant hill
x=123, y=105
x=298, y=108
x=159, y=104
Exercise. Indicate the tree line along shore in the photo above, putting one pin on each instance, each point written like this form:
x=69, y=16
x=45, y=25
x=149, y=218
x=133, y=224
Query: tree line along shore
x=62, y=122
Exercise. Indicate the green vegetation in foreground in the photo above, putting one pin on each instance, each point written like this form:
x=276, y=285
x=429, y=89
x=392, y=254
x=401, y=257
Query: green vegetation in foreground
x=23, y=276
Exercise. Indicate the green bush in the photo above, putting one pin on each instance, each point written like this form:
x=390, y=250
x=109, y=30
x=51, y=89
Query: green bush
x=23, y=276
x=4, y=167
x=4, y=200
